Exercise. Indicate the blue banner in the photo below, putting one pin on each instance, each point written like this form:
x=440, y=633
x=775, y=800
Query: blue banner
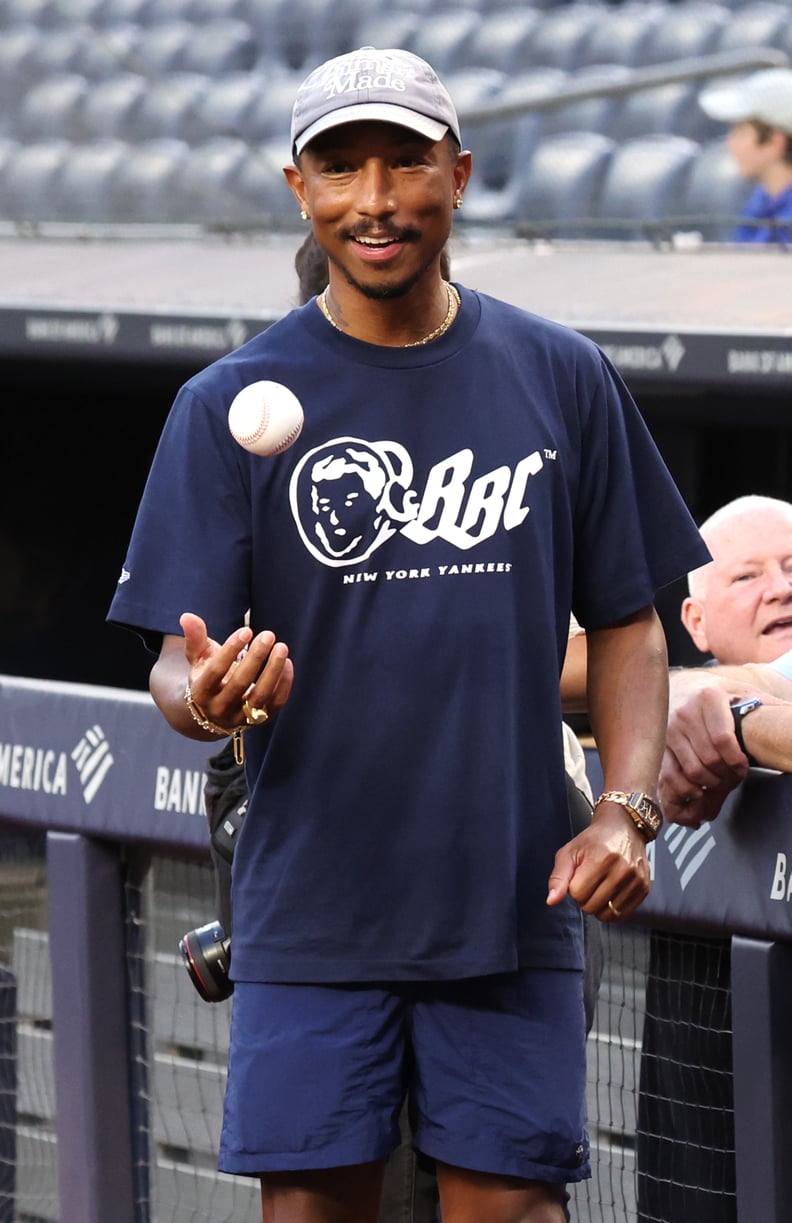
x=100, y=761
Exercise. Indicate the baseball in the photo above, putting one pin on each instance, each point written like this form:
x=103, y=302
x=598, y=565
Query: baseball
x=265, y=418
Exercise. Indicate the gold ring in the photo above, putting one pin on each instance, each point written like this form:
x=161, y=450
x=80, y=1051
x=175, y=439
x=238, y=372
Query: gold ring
x=616, y=912
x=254, y=715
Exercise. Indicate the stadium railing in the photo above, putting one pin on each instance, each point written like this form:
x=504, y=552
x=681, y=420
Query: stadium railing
x=111, y=1066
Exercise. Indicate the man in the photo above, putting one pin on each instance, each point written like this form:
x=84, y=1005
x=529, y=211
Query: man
x=406, y=893
x=740, y=611
x=759, y=109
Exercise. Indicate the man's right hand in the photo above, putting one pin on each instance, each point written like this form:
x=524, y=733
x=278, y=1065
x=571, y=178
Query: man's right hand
x=703, y=761
x=246, y=667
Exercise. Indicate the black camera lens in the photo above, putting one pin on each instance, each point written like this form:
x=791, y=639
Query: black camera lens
x=206, y=953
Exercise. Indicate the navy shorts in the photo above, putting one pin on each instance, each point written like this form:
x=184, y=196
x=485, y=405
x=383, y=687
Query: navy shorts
x=495, y=1069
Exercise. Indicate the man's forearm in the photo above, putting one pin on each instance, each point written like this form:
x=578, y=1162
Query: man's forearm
x=767, y=735
x=737, y=681
x=628, y=700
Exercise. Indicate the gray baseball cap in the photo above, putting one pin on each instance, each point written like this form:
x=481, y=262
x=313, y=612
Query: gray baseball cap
x=391, y=86
x=765, y=95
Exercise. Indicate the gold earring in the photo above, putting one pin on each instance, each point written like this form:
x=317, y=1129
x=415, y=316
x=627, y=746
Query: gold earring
x=458, y=201
x=306, y=216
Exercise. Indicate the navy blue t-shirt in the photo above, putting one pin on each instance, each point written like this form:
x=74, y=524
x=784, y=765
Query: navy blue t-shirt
x=419, y=548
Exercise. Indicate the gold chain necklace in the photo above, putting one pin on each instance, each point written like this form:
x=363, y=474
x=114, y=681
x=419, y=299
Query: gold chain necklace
x=453, y=306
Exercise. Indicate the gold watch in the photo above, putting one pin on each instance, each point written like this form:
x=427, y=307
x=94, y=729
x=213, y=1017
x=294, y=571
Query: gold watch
x=645, y=812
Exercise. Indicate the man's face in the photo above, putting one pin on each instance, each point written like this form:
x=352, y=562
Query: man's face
x=381, y=200
x=741, y=604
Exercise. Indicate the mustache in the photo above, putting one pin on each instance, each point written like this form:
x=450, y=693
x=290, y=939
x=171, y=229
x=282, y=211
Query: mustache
x=408, y=234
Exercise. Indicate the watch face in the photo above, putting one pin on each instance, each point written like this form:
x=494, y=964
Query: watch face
x=647, y=810
x=643, y=810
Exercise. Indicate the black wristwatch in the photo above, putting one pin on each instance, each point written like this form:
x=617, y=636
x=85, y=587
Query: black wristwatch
x=740, y=710
x=644, y=811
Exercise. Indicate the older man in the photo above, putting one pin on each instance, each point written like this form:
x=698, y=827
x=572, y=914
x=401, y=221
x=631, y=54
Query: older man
x=740, y=611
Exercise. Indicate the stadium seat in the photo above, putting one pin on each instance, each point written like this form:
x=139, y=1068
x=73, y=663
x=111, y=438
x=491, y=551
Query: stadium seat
x=561, y=32
x=119, y=12
x=292, y=38
x=441, y=38
x=109, y=107
x=622, y=35
x=262, y=196
x=219, y=47
x=159, y=49
x=202, y=187
x=217, y=10
x=7, y=150
x=562, y=182
x=762, y=24
x=445, y=6
x=687, y=29
x=501, y=40
x=784, y=41
x=714, y=194
x=301, y=34
x=81, y=189
x=270, y=115
x=643, y=184
x=472, y=88
x=389, y=28
x=53, y=109
x=26, y=185
x=17, y=48
x=141, y=191
x=694, y=123
x=337, y=29
x=592, y=114
x=502, y=146
x=43, y=14
x=663, y=108
x=494, y=6
x=262, y=17
x=57, y=51
x=109, y=51
x=172, y=106
x=413, y=6
x=231, y=100
x=79, y=11
x=154, y=12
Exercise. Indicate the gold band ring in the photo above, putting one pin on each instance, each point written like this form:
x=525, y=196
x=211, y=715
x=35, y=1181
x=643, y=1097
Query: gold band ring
x=254, y=715
x=616, y=912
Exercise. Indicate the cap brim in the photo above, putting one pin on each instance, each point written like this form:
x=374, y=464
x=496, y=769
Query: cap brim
x=728, y=105
x=382, y=112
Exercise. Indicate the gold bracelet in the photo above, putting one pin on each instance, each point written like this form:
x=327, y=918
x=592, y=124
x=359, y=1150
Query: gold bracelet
x=200, y=717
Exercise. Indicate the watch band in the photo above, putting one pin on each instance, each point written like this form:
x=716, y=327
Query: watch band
x=740, y=710
x=644, y=811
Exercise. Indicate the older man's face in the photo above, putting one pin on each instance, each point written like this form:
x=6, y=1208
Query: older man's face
x=743, y=612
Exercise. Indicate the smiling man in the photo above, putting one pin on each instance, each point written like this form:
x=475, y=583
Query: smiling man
x=407, y=888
